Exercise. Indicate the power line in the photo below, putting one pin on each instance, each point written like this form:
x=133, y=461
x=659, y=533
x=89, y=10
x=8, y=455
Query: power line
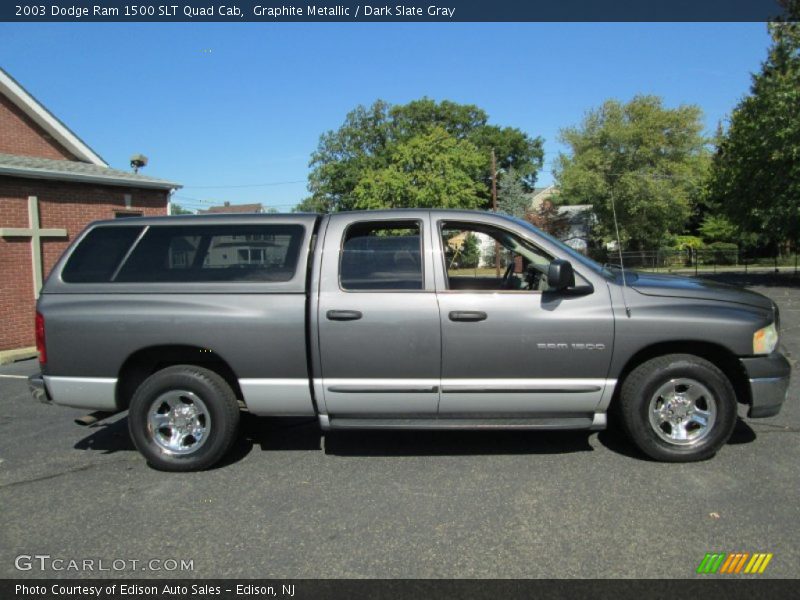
x=244, y=185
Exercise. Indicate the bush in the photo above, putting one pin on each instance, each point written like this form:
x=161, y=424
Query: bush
x=722, y=253
x=684, y=242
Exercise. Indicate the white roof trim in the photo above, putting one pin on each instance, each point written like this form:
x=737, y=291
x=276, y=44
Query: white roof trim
x=549, y=188
x=45, y=119
x=30, y=173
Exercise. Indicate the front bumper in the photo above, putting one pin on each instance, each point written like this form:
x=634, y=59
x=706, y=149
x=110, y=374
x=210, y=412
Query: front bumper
x=769, y=383
x=38, y=389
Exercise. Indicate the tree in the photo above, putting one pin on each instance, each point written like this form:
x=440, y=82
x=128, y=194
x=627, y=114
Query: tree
x=756, y=170
x=373, y=139
x=177, y=209
x=312, y=204
x=717, y=228
x=470, y=252
x=649, y=159
x=550, y=220
x=512, y=197
x=431, y=169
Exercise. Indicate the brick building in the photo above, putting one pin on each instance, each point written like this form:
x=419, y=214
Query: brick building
x=51, y=186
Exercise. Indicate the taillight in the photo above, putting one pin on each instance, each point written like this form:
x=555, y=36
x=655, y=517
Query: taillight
x=40, y=345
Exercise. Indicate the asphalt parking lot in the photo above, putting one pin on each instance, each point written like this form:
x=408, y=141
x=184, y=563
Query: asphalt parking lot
x=290, y=502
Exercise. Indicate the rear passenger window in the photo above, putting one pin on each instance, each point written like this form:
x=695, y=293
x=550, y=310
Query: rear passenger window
x=215, y=253
x=99, y=254
x=382, y=255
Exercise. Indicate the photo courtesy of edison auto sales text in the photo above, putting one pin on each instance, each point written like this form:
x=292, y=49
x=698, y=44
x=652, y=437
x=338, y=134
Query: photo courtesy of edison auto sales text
x=125, y=589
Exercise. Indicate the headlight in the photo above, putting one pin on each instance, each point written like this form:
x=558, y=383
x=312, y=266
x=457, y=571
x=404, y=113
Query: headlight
x=765, y=340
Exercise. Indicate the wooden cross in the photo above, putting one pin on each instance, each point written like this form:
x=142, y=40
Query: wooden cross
x=36, y=234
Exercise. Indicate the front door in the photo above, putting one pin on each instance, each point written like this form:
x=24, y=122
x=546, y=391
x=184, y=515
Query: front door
x=380, y=344
x=510, y=346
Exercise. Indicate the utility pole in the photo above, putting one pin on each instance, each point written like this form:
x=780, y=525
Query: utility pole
x=494, y=209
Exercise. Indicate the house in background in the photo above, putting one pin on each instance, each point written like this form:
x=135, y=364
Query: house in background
x=573, y=223
x=580, y=220
x=540, y=194
x=52, y=184
x=227, y=207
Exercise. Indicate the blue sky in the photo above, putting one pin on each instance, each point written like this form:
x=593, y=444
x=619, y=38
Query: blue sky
x=225, y=109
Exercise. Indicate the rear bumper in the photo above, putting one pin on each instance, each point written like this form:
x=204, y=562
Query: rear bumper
x=769, y=383
x=38, y=389
x=91, y=393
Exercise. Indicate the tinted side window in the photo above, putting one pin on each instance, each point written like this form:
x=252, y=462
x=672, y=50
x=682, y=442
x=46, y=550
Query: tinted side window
x=382, y=255
x=208, y=253
x=99, y=253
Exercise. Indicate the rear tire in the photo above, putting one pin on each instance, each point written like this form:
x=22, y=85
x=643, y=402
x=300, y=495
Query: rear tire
x=183, y=418
x=678, y=408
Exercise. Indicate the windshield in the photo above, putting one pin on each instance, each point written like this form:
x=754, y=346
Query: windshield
x=573, y=254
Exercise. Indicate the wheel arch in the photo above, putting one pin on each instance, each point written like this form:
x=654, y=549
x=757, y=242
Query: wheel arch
x=146, y=361
x=718, y=355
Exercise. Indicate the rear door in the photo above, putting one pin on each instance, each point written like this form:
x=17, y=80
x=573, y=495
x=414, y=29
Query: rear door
x=377, y=317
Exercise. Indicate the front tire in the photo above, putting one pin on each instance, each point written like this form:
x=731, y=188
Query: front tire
x=678, y=408
x=183, y=418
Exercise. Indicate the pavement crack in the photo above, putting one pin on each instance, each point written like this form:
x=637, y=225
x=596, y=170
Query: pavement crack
x=46, y=477
x=52, y=475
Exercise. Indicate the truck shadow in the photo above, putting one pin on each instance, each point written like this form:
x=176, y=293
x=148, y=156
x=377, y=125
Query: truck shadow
x=304, y=434
x=454, y=443
x=107, y=437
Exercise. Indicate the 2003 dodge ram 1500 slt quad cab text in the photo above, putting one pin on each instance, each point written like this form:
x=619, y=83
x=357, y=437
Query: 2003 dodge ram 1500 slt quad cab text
x=420, y=319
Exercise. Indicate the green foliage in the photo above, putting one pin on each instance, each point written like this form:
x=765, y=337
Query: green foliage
x=723, y=253
x=756, y=171
x=717, y=228
x=470, y=252
x=684, y=242
x=492, y=253
x=431, y=169
x=177, y=209
x=312, y=204
x=650, y=159
x=512, y=197
x=371, y=150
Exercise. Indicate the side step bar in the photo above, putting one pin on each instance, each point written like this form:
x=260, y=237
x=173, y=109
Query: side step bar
x=594, y=422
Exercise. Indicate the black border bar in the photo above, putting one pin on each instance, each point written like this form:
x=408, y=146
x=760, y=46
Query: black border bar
x=242, y=11
x=733, y=588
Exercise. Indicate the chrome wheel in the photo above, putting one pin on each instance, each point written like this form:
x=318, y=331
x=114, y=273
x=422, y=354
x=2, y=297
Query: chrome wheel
x=682, y=412
x=179, y=422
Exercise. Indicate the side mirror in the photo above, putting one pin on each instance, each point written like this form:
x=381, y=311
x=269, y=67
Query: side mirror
x=560, y=275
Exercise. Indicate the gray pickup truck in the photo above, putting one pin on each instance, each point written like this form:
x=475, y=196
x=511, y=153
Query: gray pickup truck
x=418, y=319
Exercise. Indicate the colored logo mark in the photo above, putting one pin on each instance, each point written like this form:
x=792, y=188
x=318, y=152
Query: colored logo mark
x=734, y=563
